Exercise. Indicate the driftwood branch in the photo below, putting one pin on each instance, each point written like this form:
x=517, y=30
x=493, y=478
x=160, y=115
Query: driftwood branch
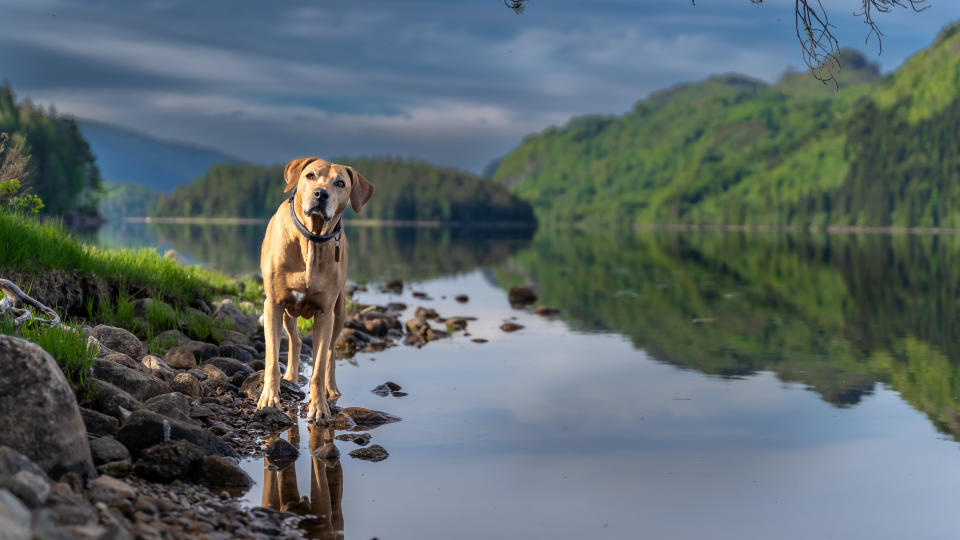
x=14, y=296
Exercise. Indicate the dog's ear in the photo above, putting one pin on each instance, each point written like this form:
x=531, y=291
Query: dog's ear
x=291, y=173
x=361, y=191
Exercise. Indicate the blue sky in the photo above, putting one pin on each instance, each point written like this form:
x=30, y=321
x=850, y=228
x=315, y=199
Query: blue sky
x=456, y=82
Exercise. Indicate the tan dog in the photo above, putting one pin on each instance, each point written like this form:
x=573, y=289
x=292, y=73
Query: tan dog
x=304, y=264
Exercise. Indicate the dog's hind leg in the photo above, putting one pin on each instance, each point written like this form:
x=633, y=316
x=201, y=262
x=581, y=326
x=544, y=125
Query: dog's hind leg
x=272, y=320
x=330, y=362
x=293, y=356
x=319, y=410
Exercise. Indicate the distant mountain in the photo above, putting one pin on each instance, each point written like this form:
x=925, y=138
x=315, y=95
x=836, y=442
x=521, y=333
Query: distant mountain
x=405, y=190
x=125, y=155
x=881, y=151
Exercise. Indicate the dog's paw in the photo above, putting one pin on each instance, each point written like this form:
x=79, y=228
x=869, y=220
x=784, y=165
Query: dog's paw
x=291, y=376
x=333, y=393
x=269, y=399
x=318, y=414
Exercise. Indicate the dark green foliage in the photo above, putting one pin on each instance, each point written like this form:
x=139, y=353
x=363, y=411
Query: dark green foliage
x=730, y=150
x=405, y=190
x=62, y=171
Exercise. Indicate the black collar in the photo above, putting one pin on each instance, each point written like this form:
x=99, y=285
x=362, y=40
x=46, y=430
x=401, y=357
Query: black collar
x=318, y=238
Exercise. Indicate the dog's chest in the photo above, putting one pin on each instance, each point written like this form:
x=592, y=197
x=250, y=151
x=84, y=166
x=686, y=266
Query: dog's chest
x=305, y=299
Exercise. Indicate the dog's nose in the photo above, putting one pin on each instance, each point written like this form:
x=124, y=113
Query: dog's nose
x=321, y=194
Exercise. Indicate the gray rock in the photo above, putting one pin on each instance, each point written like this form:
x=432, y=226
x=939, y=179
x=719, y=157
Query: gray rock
x=521, y=296
x=217, y=387
x=456, y=323
x=180, y=358
x=281, y=452
x=173, y=405
x=246, y=324
x=200, y=374
x=146, y=428
x=120, y=340
x=381, y=390
x=367, y=417
x=229, y=366
x=238, y=378
x=425, y=313
x=201, y=350
x=213, y=372
x=123, y=360
x=273, y=418
x=23, y=478
x=108, y=399
x=258, y=365
x=116, y=469
x=230, y=350
x=139, y=385
x=34, y=389
x=186, y=384
x=253, y=386
x=107, y=449
x=361, y=439
x=14, y=518
x=232, y=337
x=511, y=327
x=99, y=424
x=373, y=452
x=171, y=338
x=217, y=472
x=108, y=489
x=169, y=461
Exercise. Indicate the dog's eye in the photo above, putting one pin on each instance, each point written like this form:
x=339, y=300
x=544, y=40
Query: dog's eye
x=310, y=175
x=340, y=183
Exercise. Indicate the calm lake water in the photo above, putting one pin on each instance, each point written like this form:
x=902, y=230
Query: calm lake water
x=696, y=385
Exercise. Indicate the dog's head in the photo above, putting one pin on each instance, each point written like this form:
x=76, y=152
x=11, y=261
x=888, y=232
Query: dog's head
x=324, y=188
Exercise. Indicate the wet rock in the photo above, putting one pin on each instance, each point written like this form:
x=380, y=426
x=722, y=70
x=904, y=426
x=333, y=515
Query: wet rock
x=253, y=386
x=381, y=390
x=396, y=307
x=368, y=418
x=139, y=385
x=510, y=326
x=217, y=472
x=521, y=296
x=272, y=417
x=108, y=399
x=229, y=366
x=120, y=340
x=14, y=517
x=393, y=386
x=115, y=489
x=34, y=389
x=172, y=405
x=462, y=298
x=169, y=461
x=545, y=311
x=200, y=412
x=145, y=429
x=361, y=439
x=425, y=313
x=234, y=351
x=186, y=384
x=281, y=452
x=350, y=341
x=373, y=452
x=180, y=358
x=23, y=478
x=107, y=449
x=116, y=469
x=227, y=310
x=98, y=424
x=417, y=326
x=456, y=323
x=258, y=365
x=213, y=372
x=217, y=387
x=201, y=350
x=238, y=378
x=400, y=394
x=394, y=285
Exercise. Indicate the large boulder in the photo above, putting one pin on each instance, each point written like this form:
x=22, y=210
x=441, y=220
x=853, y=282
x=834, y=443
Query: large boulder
x=108, y=450
x=146, y=428
x=170, y=461
x=99, y=424
x=139, y=385
x=227, y=310
x=23, y=478
x=120, y=340
x=39, y=416
x=217, y=472
x=253, y=386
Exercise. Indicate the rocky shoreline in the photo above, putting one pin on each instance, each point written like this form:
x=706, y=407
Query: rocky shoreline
x=150, y=449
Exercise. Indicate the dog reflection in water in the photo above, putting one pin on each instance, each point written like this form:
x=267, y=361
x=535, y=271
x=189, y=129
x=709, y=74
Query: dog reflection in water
x=280, y=490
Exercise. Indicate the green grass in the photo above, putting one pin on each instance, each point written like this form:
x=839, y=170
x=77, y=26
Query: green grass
x=27, y=245
x=67, y=345
x=157, y=318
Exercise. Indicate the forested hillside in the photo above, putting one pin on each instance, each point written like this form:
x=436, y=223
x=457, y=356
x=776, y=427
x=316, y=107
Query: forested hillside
x=881, y=151
x=405, y=190
x=61, y=170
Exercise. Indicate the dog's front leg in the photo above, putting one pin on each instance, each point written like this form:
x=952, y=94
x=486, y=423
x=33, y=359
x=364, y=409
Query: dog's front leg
x=293, y=357
x=319, y=411
x=272, y=319
x=330, y=363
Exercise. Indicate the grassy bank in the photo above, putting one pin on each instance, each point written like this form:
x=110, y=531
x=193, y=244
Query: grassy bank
x=28, y=246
